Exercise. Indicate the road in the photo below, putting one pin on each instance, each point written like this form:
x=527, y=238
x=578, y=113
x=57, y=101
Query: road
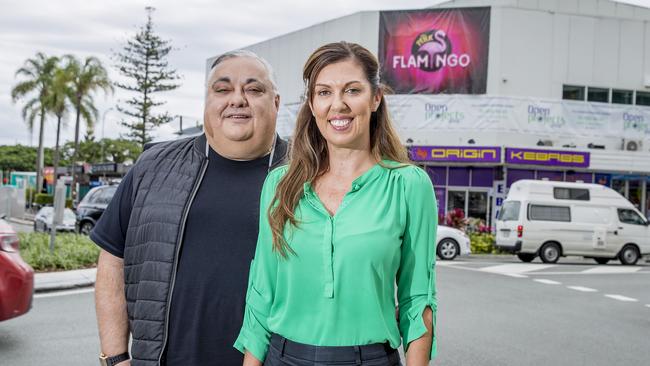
x=492, y=311
x=22, y=228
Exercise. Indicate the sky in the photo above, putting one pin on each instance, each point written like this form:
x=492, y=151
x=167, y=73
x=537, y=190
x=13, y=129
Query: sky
x=198, y=29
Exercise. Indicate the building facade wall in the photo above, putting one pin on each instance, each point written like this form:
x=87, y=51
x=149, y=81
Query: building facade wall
x=536, y=47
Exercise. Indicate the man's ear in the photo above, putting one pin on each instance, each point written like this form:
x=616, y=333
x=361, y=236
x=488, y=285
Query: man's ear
x=277, y=101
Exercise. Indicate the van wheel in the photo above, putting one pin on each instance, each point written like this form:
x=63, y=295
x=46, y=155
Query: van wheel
x=629, y=255
x=549, y=253
x=448, y=249
x=526, y=257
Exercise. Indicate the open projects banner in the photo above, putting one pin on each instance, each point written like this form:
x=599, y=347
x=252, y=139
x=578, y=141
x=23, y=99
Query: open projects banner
x=435, y=51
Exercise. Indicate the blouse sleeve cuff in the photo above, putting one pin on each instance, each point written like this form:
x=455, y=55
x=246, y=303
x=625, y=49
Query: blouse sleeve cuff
x=247, y=342
x=412, y=325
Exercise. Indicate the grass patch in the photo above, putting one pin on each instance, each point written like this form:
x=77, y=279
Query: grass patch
x=71, y=251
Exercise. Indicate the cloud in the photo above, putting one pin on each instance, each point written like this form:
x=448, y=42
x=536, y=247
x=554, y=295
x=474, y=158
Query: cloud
x=198, y=29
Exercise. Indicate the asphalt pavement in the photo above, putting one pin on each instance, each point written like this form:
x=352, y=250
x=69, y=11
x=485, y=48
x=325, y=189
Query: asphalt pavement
x=493, y=310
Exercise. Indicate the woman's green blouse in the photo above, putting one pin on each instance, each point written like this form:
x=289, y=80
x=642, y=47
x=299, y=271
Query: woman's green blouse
x=338, y=289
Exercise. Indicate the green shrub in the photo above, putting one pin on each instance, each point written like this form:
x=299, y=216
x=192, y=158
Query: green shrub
x=71, y=251
x=44, y=199
x=483, y=243
x=30, y=194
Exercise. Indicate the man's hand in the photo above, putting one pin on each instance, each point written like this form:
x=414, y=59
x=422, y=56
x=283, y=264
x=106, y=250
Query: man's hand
x=110, y=306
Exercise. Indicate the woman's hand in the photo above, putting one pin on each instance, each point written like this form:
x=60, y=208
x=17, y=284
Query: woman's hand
x=250, y=360
x=419, y=349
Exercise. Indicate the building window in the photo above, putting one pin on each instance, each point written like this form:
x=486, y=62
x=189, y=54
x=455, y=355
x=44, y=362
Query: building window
x=438, y=175
x=642, y=98
x=519, y=174
x=458, y=177
x=578, y=177
x=598, y=95
x=550, y=175
x=573, y=92
x=622, y=96
x=482, y=177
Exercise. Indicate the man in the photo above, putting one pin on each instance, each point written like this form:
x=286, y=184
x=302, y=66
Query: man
x=180, y=232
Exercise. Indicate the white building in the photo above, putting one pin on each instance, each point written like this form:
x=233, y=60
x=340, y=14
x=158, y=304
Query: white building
x=549, y=89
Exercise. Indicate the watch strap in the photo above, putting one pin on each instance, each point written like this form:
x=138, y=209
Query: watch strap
x=114, y=360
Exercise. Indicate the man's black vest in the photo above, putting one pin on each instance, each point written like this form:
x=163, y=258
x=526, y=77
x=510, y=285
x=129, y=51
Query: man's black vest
x=165, y=179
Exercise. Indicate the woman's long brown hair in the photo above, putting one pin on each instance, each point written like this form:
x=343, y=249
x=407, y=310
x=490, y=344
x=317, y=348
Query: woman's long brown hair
x=308, y=156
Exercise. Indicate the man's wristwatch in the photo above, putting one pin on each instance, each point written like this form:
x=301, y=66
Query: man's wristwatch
x=112, y=360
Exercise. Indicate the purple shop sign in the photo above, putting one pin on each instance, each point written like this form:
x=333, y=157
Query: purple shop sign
x=560, y=158
x=456, y=154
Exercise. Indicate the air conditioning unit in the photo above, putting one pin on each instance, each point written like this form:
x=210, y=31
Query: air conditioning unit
x=632, y=145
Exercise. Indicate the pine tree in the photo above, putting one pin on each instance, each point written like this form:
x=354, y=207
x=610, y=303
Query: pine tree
x=143, y=61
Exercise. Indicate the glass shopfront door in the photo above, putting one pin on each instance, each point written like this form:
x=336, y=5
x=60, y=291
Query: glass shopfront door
x=473, y=203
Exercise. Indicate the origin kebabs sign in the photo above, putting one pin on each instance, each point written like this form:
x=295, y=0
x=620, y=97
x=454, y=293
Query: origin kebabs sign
x=435, y=51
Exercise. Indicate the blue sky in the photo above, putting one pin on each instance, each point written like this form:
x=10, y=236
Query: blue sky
x=198, y=29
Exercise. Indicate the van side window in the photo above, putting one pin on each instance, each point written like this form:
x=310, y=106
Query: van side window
x=630, y=217
x=549, y=213
x=578, y=194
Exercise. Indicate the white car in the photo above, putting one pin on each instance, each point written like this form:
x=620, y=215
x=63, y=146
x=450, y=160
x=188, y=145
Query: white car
x=43, y=220
x=451, y=243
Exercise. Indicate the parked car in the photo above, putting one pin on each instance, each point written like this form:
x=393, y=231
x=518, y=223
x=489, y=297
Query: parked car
x=555, y=219
x=43, y=220
x=451, y=243
x=92, y=206
x=16, y=276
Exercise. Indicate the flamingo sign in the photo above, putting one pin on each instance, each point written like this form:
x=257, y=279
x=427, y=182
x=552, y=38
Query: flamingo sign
x=435, y=51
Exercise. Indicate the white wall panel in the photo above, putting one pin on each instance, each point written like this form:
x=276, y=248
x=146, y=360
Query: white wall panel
x=581, y=46
x=560, y=54
x=631, y=54
x=289, y=52
x=605, y=53
x=526, y=52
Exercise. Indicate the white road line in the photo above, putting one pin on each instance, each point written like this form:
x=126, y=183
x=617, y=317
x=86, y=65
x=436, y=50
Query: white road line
x=547, y=282
x=441, y=263
x=562, y=273
x=515, y=275
x=621, y=298
x=64, y=293
x=582, y=289
x=612, y=269
x=647, y=305
x=516, y=268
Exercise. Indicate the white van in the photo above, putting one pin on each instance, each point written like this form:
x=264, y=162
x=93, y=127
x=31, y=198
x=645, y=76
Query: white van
x=554, y=219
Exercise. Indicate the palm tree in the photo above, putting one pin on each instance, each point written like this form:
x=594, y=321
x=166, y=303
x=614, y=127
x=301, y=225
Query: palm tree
x=57, y=103
x=38, y=73
x=87, y=78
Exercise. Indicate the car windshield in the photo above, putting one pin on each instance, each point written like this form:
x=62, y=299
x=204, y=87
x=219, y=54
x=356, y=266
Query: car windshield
x=510, y=211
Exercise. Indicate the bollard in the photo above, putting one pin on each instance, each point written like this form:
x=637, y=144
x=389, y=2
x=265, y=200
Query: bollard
x=57, y=215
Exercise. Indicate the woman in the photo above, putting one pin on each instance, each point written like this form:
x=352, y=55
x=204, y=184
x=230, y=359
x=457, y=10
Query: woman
x=345, y=221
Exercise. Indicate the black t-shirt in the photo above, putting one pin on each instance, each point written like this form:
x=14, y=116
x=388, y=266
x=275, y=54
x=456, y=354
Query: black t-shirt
x=209, y=295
